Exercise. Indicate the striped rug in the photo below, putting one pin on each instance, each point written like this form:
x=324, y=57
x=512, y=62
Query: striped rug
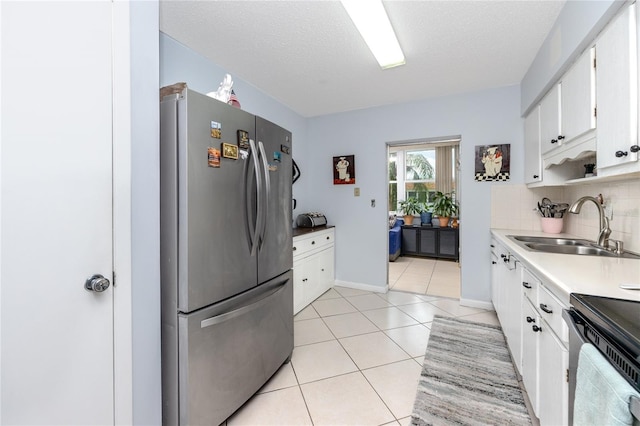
x=468, y=378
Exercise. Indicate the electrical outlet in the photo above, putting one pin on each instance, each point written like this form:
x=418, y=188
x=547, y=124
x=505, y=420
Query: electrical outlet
x=373, y=202
x=356, y=192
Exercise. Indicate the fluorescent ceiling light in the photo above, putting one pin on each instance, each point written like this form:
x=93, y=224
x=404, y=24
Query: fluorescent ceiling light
x=373, y=23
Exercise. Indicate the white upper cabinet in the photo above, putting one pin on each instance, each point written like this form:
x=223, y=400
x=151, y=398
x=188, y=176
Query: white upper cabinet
x=550, y=120
x=568, y=115
x=578, y=98
x=532, y=155
x=617, y=96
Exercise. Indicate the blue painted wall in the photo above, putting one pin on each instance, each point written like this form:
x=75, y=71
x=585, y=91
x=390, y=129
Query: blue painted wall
x=481, y=118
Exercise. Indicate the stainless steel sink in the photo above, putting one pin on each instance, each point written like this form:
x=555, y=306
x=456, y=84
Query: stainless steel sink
x=567, y=246
x=551, y=240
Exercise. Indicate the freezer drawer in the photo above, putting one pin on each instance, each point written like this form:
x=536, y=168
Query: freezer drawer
x=228, y=351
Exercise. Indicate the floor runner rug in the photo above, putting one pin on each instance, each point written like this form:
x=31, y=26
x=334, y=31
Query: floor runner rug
x=468, y=378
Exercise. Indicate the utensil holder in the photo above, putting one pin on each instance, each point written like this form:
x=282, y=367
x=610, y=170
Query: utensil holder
x=551, y=225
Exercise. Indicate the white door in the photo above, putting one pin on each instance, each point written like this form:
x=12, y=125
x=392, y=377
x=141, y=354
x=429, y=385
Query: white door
x=56, y=359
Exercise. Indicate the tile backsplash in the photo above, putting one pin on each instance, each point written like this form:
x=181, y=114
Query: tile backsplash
x=512, y=207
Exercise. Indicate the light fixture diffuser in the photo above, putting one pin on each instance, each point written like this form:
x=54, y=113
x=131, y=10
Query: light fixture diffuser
x=371, y=19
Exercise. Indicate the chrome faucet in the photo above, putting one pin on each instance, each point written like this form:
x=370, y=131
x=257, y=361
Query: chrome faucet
x=605, y=231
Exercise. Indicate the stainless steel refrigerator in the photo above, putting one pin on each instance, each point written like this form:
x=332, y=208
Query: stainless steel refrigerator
x=226, y=256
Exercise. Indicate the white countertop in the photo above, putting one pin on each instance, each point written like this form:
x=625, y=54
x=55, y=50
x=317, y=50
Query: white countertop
x=568, y=273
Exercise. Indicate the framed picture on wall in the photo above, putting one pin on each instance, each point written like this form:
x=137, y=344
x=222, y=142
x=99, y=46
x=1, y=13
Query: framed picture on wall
x=344, y=170
x=492, y=163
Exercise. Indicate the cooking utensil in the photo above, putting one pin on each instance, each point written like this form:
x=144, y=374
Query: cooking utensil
x=562, y=208
x=546, y=206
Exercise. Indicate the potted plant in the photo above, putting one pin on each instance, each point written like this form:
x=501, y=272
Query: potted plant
x=410, y=207
x=426, y=213
x=444, y=207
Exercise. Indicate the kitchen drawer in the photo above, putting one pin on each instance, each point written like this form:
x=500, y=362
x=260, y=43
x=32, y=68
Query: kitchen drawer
x=530, y=286
x=550, y=310
x=309, y=243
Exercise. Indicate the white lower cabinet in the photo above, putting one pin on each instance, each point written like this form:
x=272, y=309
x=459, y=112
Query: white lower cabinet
x=313, y=267
x=530, y=317
x=553, y=385
x=507, y=296
x=545, y=358
x=530, y=352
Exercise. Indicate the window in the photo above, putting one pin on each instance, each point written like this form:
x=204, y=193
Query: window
x=420, y=170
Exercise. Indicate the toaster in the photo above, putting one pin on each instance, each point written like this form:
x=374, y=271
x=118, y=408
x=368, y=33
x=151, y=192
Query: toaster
x=311, y=220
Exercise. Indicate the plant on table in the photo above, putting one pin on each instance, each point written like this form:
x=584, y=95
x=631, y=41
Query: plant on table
x=410, y=207
x=444, y=206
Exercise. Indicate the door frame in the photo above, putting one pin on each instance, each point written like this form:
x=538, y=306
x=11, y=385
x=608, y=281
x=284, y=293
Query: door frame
x=136, y=212
x=122, y=210
x=458, y=189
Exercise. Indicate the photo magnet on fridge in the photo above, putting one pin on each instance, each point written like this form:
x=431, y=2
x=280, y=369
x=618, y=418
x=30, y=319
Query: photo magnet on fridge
x=216, y=130
x=243, y=139
x=213, y=157
x=229, y=151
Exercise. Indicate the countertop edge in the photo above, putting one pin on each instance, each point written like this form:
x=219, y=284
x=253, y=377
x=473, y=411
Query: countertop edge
x=564, y=274
x=304, y=231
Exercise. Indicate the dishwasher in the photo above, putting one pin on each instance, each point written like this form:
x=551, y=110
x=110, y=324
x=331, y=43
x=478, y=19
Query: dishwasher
x=613, y=327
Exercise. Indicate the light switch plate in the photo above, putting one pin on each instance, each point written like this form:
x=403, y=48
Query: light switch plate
x=356, y=192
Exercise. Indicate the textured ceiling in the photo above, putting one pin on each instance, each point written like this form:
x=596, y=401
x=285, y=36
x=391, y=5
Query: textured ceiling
x=309, y=56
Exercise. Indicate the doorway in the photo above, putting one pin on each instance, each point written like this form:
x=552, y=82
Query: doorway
x=419, y=169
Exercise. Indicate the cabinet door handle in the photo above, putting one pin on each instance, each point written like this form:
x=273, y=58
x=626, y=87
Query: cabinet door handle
x=535, y=328
x=530, y=320
x=526, y=284
x=634, y=148
x=313, y=242
x=621, y=154
x=294, y=248
x=554, y=140
x=492, y=246
x=493, y=262
x=560, y=137
x=545, y=308
x=536, y=176
x=328, y=237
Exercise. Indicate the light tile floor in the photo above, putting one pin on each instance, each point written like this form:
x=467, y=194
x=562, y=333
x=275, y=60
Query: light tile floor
x=356, y=361
x=433, y=277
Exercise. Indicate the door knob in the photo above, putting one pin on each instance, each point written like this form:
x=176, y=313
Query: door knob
x=97, y=283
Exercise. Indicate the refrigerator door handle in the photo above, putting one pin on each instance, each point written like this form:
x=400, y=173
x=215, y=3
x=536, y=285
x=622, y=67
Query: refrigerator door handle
x=267, y=193
x=241, y=311
x=258, y=224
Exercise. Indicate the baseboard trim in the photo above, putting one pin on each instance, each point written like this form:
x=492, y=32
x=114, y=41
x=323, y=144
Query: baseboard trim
x=361, y=286
x=476, y=304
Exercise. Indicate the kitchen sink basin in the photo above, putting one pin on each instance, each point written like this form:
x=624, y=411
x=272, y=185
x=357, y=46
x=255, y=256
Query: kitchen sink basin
x=567, y=246
x=551, y=240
